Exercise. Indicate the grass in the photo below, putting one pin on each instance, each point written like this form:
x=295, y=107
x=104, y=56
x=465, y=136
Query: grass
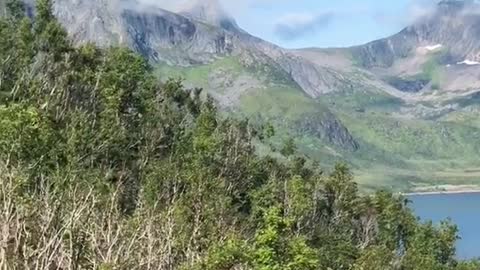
x=400, y=153
x=277, y=99
x=362, y=100
x=415, y=138
x=279, y=103
x=433, y=69
x=468, y=114
x=395, y=153
x=199, y=75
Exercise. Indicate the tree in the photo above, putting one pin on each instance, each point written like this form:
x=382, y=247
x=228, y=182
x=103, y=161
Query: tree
x=44, y=15
x=51, y=37
x=15, y=9
x=25, y=137
x=275, y=248
x=289, y=148
x=341, y=196
x=375, y=258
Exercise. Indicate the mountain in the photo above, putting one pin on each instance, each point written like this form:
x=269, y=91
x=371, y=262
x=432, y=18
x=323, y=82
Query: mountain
x=454, y=25
x=425, y=112
x=446, y=38
x=403, y=110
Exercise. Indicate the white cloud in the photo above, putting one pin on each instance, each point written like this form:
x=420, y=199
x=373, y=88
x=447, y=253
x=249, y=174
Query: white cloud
x=419, y=9
x=234, y=7
x=469, y=63
x=165, y=4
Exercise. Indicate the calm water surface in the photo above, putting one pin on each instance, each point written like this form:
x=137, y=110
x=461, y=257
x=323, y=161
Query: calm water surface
x=463, y=209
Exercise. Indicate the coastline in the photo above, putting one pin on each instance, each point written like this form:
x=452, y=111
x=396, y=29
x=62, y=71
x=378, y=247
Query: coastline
x=443, y=190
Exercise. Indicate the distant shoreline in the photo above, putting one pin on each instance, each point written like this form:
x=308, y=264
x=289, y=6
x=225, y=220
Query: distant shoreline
x=444, y=190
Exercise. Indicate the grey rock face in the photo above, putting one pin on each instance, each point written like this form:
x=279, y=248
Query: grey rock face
x=154, y=35
x=158, y=34
x=383, y=53
x=329, y=129
x=200, y=34
x=408, y=85
x=3, y=11
x=314, y=80
x=439, y=53
x=454, y=24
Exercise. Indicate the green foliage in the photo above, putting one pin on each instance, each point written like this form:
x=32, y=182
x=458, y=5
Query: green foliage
x=44, y=16
x=24, y=135
x=15, y=9
x=399, y=153
x=274, y=248
x=289, y=148
x=375, y=258
x=432, y=70
x=103, y=167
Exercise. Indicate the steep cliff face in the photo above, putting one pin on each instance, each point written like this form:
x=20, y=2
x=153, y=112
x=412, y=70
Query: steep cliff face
x=199, y=34
x=327, y=128
x=203, y=32
x=383, y=53
x=164, y=36
x=158, y=34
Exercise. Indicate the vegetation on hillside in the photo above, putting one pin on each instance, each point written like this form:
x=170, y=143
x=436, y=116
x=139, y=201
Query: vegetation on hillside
x=102, y=167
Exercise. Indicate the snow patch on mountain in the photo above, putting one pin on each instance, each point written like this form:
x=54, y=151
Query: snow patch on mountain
x=468, y=62
x=433, y=47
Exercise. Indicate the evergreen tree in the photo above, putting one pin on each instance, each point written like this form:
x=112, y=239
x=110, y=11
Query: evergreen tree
x=44, y=15
x=15, y=9
x=51, y=37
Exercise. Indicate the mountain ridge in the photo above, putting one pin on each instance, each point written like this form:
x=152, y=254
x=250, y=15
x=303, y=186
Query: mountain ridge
x=406, y=97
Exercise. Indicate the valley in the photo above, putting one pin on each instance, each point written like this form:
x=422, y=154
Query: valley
x=402, y=111
x=157, y=135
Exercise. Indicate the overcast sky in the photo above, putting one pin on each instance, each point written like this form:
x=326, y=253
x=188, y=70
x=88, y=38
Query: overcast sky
x=318, y=23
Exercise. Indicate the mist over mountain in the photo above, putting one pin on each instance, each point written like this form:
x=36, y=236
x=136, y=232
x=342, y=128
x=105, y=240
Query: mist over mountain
x=211, y=12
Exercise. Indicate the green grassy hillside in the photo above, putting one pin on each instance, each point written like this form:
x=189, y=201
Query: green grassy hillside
x=394, y=151
x=407, y=152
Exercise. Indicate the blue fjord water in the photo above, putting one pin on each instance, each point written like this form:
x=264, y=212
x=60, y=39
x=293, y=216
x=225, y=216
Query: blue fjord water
x=462, y=209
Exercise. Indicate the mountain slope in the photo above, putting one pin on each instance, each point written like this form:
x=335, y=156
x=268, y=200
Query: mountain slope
x=454, y=24
x=402, y=107
x=188, y=41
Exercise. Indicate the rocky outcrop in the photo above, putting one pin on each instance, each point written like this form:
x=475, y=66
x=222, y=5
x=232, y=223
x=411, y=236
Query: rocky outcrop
x=164, y=36
x=157, y=34
x=327, y=128
x=199, y=34
x=410, y=85
x=383, y=53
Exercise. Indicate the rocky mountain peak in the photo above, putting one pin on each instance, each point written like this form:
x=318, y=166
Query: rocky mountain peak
x=453, y=25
